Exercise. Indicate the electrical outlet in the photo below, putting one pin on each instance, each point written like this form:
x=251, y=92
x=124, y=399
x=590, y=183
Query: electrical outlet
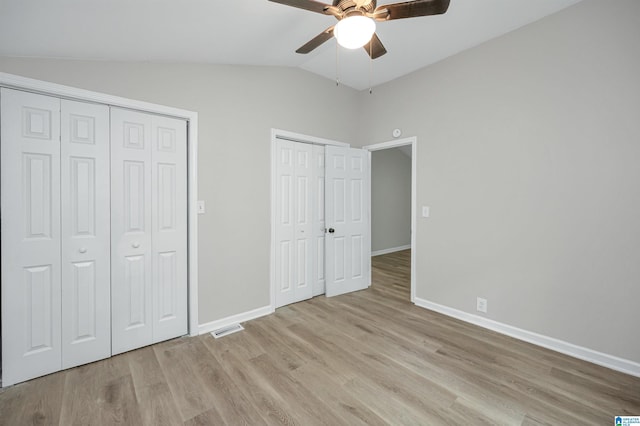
x=481, y=305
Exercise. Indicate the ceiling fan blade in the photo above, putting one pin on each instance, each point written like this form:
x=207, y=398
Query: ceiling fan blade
x=375, y=48
x=316, y=41
x=314, y=6
x=410, y=9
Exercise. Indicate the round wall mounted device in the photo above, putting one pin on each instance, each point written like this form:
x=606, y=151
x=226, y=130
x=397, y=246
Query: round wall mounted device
x=396, y=133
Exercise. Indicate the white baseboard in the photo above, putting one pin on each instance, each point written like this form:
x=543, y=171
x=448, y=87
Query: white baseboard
x=586, y=354
x=233, y=319
x=390, y=250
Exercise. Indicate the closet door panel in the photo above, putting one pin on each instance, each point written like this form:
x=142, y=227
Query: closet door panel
x=318, y=220
x=304, y=220
x=295, y=248
x=86, y=293
x=131, y=229
x=31, y=310
x=169, y=218
x=285, y=222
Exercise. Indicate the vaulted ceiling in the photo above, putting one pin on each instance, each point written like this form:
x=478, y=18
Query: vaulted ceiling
x=251, y=32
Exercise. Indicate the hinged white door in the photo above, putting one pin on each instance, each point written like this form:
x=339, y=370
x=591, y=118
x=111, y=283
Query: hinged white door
x=294, y=220
x=31, y=305
x=347, y=243
x=131, y=251
x=169, y=219
x=86, y=294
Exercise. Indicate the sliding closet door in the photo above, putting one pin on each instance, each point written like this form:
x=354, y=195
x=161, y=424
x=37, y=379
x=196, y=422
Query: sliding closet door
x=318, y=220
x=94, y=232
x=169, y=219
x=30, y=235
x=148, y=229
x=294, y=222
x=131, y=251
x=86, y=295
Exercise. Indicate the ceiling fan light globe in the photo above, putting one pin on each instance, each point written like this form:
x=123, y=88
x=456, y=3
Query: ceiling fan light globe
x=354, y=32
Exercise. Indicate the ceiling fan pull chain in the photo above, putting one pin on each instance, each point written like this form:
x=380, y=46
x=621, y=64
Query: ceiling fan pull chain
x=337, y=68
x=370, y=65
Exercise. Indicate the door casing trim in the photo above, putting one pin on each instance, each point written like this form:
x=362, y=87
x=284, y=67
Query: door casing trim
x=413, y=141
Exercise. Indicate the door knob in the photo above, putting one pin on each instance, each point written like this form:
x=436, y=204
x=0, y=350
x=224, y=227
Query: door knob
x=135, y=245
x=82, y=250
x=331, y=230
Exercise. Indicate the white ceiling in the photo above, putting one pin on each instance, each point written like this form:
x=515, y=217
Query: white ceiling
x=252, y=32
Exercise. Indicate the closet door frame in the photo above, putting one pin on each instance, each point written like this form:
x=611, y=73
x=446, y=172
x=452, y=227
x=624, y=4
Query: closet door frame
x=66, y=92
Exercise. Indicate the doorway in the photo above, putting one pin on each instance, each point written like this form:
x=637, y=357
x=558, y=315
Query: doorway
x=390, y=237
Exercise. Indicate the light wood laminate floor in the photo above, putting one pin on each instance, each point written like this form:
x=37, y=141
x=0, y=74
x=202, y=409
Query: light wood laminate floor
x=365, y=358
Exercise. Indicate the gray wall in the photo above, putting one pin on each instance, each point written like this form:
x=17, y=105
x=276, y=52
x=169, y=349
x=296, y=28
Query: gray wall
x=529, y=157
x=237, y=106
x=390, y=199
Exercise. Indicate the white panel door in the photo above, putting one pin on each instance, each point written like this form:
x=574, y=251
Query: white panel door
x=169, y=219
x=131, y=229
x=318, y=269
x=347, y=195
x=31, y=306
x=303, y=216
x=294, y=219
x=86, y=294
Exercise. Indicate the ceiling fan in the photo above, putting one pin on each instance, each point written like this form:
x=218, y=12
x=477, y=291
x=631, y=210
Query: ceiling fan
x=356, y=20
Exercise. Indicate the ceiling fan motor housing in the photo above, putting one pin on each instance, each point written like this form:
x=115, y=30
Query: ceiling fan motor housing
x=366, y=6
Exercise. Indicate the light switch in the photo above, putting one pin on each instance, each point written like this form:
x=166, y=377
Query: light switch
x=425, y=211
x=201, y=208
